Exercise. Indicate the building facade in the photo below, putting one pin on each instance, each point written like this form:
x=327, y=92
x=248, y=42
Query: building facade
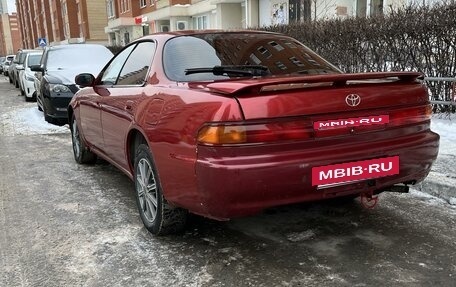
x=118, y=22
x=131, y=19
x=10, y=40
x=62, y=21
x=9, y=31
x=3, y=7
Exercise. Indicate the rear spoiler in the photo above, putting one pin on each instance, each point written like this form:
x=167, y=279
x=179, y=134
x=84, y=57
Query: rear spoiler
x=259, y=85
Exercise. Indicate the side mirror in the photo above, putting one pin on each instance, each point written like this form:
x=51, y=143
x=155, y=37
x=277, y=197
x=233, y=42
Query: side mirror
x=84, y=80
x=36, y=68
x=19, y=67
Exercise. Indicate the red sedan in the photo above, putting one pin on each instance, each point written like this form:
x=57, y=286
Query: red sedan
x=226, y=124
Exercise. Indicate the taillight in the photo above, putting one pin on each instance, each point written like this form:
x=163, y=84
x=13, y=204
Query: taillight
x=220, y=134
x=410, y=115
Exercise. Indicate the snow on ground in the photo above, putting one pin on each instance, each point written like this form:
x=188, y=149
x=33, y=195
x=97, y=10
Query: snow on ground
x=27, y=121
x=445, y=126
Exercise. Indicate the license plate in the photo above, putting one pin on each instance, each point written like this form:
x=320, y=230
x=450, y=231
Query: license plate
x=355, y=171
x=351, y=122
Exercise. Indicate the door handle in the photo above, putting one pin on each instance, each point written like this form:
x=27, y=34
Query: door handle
x=128, y=105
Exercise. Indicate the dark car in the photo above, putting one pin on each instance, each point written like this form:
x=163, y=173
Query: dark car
x=2, y=61
x=59, y=65
x=226, y=124
x=13, y=71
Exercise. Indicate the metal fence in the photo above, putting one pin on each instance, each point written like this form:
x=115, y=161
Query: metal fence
x=443, y=93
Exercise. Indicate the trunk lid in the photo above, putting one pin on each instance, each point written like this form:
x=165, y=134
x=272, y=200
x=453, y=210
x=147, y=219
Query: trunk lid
x=324, y=96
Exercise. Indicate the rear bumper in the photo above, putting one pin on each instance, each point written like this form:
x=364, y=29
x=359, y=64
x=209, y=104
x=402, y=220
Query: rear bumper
x=238, y=181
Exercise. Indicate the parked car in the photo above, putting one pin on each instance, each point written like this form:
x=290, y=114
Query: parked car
x=59, y=65
x=226, y=124
x=36, y=85
x=2, y=61
x=9, y=60
x=13, y=71
x=27, y=77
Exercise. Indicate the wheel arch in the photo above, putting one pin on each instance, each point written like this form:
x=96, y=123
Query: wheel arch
x=70, y=115
x=134, y=139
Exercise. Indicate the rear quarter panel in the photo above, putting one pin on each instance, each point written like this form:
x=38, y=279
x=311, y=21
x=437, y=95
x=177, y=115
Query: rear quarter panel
x=172, y=136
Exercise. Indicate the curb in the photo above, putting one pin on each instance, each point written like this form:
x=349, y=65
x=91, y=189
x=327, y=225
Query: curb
x=439, y=185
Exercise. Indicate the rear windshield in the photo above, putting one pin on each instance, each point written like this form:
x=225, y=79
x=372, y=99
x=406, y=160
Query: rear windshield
x=281, y=55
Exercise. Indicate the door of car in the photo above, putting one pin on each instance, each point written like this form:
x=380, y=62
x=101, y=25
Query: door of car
x=125, y=94
x=90, y=105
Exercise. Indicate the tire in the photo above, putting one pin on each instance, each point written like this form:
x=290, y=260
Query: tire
x=157, y=215
x=81, y=154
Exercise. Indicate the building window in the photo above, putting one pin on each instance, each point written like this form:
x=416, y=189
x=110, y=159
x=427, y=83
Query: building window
x=110, y=9
x=376, y=7
x=124, y=6
x=301, y=10
x=200, y=22
x=361, y=8
x=64, y=9
x=142, y=3
x=145, y=30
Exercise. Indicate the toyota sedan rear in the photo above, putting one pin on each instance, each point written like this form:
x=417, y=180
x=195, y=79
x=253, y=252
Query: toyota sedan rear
x=226, y=124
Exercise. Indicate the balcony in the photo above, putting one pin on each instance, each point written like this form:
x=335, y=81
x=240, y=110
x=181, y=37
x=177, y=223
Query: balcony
x=166, y=3
x=118, y=23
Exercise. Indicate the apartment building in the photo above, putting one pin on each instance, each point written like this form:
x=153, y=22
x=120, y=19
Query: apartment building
x=131, y=19
x=62, y=21
x=118, y=22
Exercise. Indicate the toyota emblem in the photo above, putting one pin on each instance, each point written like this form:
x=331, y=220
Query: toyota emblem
x=353, y=100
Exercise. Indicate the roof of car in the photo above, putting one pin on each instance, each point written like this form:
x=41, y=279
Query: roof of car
x=25, y=50
x=72, y=46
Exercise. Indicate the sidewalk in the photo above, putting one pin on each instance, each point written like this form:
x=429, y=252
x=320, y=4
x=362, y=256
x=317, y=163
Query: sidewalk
x=439, y=185
x=441, y=181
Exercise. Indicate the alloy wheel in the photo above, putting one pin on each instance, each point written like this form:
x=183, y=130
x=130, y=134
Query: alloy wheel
x=76, y=140
x=147, y=189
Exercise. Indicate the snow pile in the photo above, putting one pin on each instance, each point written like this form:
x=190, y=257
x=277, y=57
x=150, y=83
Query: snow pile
x=27, y=121
x=445, y=126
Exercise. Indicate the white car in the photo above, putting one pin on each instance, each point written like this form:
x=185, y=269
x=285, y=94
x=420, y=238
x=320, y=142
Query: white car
x=27, y=77
x=7, y=63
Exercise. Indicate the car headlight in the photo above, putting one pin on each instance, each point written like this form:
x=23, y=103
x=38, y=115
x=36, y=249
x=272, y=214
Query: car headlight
x=58, y=88
x=30, y=78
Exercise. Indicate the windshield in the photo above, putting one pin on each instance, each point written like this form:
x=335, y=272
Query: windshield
x=192, y=58
x=78, y=57
x=33, y=59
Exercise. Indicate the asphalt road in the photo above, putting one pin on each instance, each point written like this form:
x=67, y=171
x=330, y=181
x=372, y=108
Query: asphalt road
x=63, y=224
